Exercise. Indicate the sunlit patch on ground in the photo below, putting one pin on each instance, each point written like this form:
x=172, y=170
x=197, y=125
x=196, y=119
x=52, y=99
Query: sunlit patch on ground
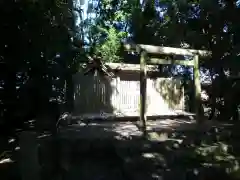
x=174, y=148
x=6, y=160
x=117, y=150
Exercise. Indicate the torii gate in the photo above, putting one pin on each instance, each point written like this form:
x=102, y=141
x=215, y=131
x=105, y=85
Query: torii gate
x=144, y=50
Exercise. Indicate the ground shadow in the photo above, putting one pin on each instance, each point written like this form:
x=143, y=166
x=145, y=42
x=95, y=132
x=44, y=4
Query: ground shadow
x=115, y=151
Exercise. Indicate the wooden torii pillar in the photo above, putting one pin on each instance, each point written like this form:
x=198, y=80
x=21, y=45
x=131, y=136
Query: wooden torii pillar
x=144, y=50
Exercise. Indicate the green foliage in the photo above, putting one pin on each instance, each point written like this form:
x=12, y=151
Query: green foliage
x=36, y=56
x=109, y=49
x=104, y=35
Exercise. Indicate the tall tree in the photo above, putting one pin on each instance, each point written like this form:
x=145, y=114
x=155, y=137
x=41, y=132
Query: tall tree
x=35, y=55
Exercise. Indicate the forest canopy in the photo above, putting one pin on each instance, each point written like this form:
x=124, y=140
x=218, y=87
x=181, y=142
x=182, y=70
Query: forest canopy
x=44, y=42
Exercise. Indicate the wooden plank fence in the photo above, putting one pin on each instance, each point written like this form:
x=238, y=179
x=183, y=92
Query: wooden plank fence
x=94, y=95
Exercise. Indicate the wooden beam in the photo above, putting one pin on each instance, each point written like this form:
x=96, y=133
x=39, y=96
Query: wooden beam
x=143, y=89
x=166, y=50
x=197, y=89
x=175, y=62
x=131, y=67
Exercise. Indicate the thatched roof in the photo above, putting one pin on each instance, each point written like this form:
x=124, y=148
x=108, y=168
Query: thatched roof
x=110, y=69
x=96, y=65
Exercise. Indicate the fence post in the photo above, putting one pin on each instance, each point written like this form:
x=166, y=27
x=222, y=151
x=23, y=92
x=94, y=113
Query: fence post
x=29, y=165
x=143, y=91
x=197, y=88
